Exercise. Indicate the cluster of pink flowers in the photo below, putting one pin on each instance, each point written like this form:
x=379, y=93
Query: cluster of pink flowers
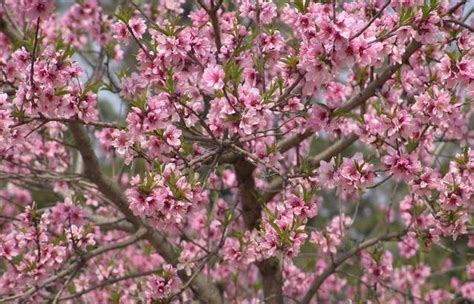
x=352, y=175
x=163, y=286
x=377, y=266
x=164, y=199
x=33, y=251
x=328, y=240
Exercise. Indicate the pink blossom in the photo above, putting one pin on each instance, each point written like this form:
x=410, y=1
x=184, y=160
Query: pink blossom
x=213, y=78
x=401, y=166
x=121, y=141
x=161, y=287
x=467, y=291
x=39, y=8
x=137, y=26
x=121, y=32
x=408, y=246
x=172, y=135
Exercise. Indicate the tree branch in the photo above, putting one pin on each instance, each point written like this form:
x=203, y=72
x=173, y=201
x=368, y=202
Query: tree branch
x=379, y=13
x=460, y=23
x=369, y=91
x=270, y=269
x=277, y=184
x=109, y=282
x=376, y=84
x=319, y=280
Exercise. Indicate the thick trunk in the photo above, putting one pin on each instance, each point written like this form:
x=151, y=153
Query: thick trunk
x=270, y=269
x=272, y=280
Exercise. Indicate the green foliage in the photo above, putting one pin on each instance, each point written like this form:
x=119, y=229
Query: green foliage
x=233, y=71
x=406, y=15
x=124, y=14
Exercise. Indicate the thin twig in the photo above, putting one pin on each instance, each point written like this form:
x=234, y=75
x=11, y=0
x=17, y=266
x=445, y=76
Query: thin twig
x=319, y=280
x=33, y=54
x=109, y=282
x=379, y=13
x=462, y=24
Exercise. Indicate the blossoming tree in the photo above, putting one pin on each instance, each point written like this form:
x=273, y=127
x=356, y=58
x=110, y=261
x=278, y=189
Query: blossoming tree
x=236, y=151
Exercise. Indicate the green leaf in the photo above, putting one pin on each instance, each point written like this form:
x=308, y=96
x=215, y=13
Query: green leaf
x=425, y=9
x=71, y=288
x=232, y=118
x=233, y=71
x=406, y=15
x=139, y=103
x=157, y=166
x=411, y=145
x=275, y=227
x=92, y=87
x=290, y=61
x=114, y=297
x=300, y=6
x=308, y=194
x=270, y=91
x=148, y=249
x=170, y=86
x=349, y=115
x=434, y=4
x=322, y=105
x=146, y=186
x=453, y=56
x=305, y=166
x=17, y=259
x=124, y=14
x=271, y=148
x=187, y=148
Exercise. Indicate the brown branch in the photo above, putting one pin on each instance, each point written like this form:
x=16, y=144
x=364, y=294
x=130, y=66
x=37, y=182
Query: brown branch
x=288, y=91
x=319, y=280
x=212, y=12
x=33, y=53
x=270, y=269
x=250, y=208
x=277, y=184
x=379, y=13
x=140, y=45
x=109, y=282
x=99, y=124
x=293, y=140
x=129, y=241
x=272, y=279
x=107, y=223
x=461, y=24
x=369, y=91
x=215, y=26
x=254, y=159
x=60, y=292
x=455, y=7
x=372, y=87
